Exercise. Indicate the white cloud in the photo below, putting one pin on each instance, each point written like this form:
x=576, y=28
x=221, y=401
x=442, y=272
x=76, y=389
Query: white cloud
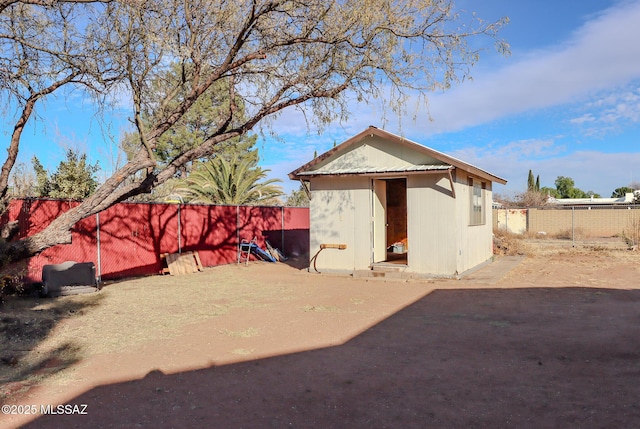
x=610, y=112
x=591, y=170
x=586, y=118
x=601, y=54
x=512, y=160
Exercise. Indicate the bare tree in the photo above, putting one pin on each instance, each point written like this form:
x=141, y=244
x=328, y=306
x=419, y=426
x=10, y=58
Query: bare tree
x=4, y=4
x=23, y=181
x=41, y=51
x=315, y=55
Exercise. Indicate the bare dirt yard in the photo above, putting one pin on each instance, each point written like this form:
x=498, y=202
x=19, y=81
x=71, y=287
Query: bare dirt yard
x=552, y=342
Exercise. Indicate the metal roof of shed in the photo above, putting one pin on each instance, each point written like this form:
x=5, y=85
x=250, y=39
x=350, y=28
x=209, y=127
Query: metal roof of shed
x=378, y=170
x=447, y=163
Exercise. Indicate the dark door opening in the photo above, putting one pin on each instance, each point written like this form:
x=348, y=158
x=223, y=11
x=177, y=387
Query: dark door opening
x=396, y=217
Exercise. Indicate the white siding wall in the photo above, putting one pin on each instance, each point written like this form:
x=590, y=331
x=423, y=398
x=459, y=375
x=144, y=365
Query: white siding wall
x=340, y=211
x=431, y=225
x=375, y=152
x=440, y=240
x=475, y=242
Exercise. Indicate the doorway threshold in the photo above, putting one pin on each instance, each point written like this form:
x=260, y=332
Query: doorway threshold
x=389, y=266
x=394, y=258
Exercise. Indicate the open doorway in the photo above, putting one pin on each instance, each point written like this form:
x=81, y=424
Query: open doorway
x=390, y=244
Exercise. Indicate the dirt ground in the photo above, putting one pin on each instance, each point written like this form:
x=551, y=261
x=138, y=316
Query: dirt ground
x=551, y=343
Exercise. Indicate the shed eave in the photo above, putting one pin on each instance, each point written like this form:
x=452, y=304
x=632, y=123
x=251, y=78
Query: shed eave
x=307, y=169
x=374, y=173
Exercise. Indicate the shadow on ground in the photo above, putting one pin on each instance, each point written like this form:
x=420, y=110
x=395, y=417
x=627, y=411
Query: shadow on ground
x=25, y=322
x=457, y=358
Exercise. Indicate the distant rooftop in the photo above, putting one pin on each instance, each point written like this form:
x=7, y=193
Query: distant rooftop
x=627, y=199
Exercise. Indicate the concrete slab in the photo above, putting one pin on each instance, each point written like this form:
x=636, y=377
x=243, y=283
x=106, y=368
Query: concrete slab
x=492, y=273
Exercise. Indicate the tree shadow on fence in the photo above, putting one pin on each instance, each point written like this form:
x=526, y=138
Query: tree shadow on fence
x=129, y=239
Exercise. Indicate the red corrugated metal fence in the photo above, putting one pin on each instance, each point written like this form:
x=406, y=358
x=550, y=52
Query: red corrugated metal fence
x=128, y=238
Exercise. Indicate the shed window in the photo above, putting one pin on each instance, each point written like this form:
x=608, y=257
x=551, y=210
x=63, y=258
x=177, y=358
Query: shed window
x=477, y=206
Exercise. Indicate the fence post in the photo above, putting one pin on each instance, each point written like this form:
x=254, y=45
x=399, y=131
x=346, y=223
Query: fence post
x=506, y=220
x=99, y=256
x=282, y=228
x=573, y=226
x=179, y=230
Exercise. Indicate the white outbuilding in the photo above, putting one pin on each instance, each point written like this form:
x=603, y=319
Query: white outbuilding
x=381, y=203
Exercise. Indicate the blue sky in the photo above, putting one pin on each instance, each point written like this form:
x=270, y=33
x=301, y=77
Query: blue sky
x=566, y=102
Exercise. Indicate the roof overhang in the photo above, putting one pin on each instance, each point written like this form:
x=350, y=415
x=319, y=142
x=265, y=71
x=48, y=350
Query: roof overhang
x=384, y=171
x=309, y=170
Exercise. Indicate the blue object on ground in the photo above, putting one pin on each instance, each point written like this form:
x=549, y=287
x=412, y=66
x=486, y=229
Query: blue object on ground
x=258, y=252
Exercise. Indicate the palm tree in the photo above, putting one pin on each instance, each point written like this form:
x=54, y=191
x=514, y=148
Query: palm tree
x=235, y=182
